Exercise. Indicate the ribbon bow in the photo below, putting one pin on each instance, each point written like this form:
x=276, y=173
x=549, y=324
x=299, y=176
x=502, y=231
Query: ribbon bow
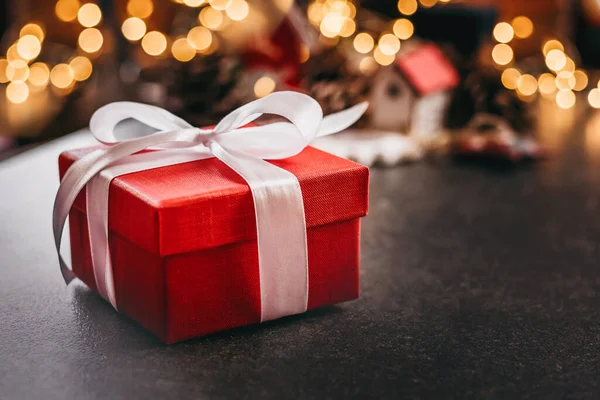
x=281, y=226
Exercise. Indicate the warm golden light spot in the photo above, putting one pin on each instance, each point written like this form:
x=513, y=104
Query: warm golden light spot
x=237, y=10
x=211, y=18
x=527, y=85
x=407, y=7
x=581, y=80
x=17, y=92
x=565, y=80
x=381, y=58
x=594, y=98
x=565, y=99
x=33, y=29
x=569, y=65
x=552, y=44
x=264, y=86
x=367, y=65
x=363, y=43
x=389, y=44
x=522, y=26
x=90, y=40
x=315, y=13
x=556, y=60
x=29, y=47
x=403, y=28
x=219, y=4
x=199, y=38
x=332, y=25
x=133, y=29
x=304, y=53
x=39, y=74
x=428, y=3
x=12, y=54
x=502, y=54
x=3, y=66
x=17, y=71
x=62, y=76
x=546, y=84
x=510, y=77
x=349, y=28
x=193, y=3
x=66, y=10
x=182, y=50
x=154, y=43
x=503, y=32
x=140, y=8
x=89, y=15
x=82, y=68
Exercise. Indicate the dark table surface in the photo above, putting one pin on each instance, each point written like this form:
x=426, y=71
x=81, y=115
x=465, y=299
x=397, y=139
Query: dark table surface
x=476, y=283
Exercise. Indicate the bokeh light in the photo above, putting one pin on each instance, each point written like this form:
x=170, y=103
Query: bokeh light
x=503, y=32
x=220, y=4
x=527, y=85
x=199, y=38
x=403, y=29
x=552, y=44
x=62, y=76
x=33, y=29
x=17, y=92
x=502, y=54
x=546, y=84
x=237, y=10
x=3, y=66
x=565, y=80
x=581, y=80
x=81, y=67
x=565, y=99
x=264, y=86
x=211, y=18
x=381, y=58
x=182, y=50
x=66, y=10
x=407, y=7
x=90, y=40
x=556, y=60
x=428, y=3
x=154, y=43
x=140, y=8
x=133, y=28
x=522, y=26
x=510, y=77
x=193, y=3
x=29, y=47
x=363, y=43
x=349, y=28
x=332, y=25
x=17, y=71
x=89, y=15
x=594, y=98
x=389, y=44
x=367, y=65
x=39, y=74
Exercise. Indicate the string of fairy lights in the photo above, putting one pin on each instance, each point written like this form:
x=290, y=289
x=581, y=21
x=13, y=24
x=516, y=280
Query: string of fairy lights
x=24, y=75
x=561, y=81
x=335, y=20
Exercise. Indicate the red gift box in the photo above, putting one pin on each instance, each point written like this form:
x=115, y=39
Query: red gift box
x=183, y=241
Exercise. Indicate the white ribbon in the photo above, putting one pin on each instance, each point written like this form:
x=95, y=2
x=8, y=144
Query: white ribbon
x=280, y=221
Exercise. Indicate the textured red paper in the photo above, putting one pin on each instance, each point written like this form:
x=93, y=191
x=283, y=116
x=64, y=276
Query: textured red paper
x=183, y=241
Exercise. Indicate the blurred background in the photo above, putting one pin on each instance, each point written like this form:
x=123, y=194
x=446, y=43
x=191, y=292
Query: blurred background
x=482, y=77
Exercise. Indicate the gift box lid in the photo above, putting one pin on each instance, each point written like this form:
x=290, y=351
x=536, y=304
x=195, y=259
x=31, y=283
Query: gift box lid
x=204, y=204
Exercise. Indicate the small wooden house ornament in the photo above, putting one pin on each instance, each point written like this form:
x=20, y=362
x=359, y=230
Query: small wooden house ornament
x=412, y=94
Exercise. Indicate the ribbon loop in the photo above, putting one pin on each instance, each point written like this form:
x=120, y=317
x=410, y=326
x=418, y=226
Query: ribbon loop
x=278, y=204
